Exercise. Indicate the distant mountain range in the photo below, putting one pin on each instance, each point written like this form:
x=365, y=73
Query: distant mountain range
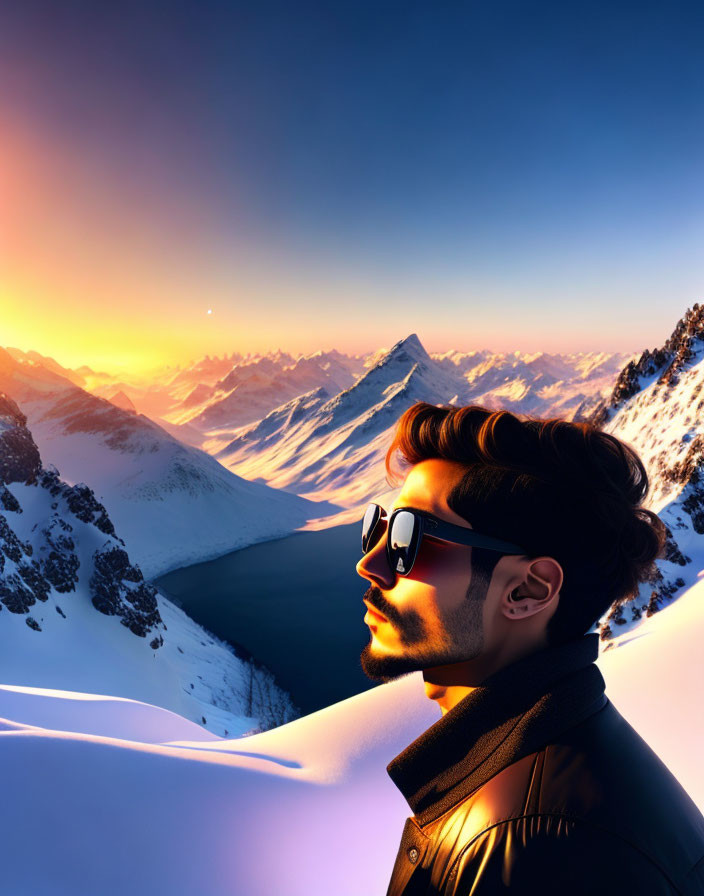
x=172, y=503
x=330, y=445
x=241, y=449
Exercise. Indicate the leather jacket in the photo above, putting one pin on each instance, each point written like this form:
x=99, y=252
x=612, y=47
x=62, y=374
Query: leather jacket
x=535, y=783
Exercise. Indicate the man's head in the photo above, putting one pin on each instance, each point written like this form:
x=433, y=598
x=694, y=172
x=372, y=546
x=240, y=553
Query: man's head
x=448, y=609
x=568, y=492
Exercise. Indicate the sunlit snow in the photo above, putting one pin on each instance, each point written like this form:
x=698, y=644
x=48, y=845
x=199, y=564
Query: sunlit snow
x=107, y=796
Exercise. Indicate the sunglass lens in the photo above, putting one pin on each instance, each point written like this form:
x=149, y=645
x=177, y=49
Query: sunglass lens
x=403, y=541
x=370, y=526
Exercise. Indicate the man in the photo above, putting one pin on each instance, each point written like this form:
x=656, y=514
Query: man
x=509, y=540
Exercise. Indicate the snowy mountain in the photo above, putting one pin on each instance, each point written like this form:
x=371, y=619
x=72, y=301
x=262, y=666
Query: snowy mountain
x=331, y=447
x=656, y=407
x=79, y=615
x=112, y=796
x=173, y=504
x=251, y=390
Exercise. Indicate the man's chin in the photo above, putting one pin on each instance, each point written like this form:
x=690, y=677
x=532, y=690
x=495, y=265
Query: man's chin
x=387, y=668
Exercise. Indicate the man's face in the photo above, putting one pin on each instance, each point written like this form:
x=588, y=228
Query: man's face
x=435, y=615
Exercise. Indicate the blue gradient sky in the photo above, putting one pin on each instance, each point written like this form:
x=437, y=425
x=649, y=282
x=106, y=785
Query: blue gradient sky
x=502, y=175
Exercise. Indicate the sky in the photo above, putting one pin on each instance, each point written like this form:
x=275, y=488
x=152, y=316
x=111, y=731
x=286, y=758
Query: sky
x=182, y=178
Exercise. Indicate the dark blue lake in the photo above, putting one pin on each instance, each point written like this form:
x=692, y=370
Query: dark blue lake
x=295, y=604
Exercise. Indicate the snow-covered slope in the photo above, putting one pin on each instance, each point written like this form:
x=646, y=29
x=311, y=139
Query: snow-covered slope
x=76, y=613
x=107, y=796
x=174, y=505
x=656, y=407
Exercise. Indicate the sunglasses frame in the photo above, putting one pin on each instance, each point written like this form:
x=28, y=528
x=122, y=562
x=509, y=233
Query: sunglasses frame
x=428, y=526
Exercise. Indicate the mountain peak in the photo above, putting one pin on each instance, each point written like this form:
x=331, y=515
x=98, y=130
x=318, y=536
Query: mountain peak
x=688, y=331
x=412, y=345
x=405, y=351
x=412, y=340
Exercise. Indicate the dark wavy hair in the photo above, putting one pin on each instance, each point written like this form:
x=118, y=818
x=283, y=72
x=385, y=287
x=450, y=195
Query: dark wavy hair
x=560, y=489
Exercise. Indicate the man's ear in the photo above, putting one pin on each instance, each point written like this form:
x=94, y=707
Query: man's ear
x=539, y=589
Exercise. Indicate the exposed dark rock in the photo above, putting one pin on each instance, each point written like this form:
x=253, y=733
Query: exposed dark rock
x=689, y=468
x=11, y=546
x=85, y=506
x=663, y=591
x=31, y=573
x=616, y=615
x=693, y=504
x=672, y=551
x=8, y=501
x=49, y=479
x=15, y=594
x=113, y=594
x=133, y=573
x=19, y=456
x=653, y=604
x=80, y=500
x=59, y=559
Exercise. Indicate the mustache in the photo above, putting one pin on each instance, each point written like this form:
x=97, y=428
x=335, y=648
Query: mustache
x=377, y=600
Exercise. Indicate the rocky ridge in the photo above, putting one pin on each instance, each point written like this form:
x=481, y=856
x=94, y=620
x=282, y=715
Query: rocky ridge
x=663, y=365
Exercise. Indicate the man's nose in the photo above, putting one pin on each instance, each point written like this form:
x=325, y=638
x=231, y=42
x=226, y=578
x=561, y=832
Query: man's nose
x=374, y=566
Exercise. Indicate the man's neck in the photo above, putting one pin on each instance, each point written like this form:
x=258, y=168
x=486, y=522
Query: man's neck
x=449, y=684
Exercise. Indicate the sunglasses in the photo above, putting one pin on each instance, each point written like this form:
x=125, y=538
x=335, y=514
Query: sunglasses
x=406, y=529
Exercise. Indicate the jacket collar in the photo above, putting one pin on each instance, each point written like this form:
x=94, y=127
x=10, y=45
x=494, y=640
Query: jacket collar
x=514, y=712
